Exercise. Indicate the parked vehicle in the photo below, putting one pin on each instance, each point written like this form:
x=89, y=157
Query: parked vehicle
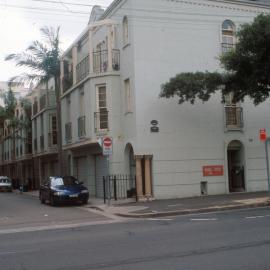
x=63, y=189
x=5, y=184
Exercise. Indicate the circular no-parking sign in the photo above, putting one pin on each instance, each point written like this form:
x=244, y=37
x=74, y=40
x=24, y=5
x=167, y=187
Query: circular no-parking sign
x=107, y=146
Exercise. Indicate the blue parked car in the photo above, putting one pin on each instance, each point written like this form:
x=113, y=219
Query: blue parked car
x=63, y=189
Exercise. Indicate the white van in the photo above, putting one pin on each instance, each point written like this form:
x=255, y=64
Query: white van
x=5, y=184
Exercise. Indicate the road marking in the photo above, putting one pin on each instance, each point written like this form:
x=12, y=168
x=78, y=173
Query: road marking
x=254, y=217
x=175, y=205
x=203, y=219
x=57, y=227
x=160, y=219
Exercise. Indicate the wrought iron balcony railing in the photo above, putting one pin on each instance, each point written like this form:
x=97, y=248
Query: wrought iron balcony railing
x=42, y=102
x=52, y=138
x=35, y=144
x=68, y=132
x=226, y=47
x=101, y=63
x=82, y=69
x=51, y=99
x=67, y=81
x=41, y=143
x=35, y=108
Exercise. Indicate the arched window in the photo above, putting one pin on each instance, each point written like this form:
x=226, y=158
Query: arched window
x=228, y=35
x=125, y=31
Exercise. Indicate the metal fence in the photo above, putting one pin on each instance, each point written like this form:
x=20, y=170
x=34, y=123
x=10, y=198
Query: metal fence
x=119, y=187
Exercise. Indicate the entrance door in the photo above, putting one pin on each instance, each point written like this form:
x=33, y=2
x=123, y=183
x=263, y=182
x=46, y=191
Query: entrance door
x=235, y=154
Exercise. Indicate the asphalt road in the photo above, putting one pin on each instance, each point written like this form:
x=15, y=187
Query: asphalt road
x=21, y=211
x=231, y=240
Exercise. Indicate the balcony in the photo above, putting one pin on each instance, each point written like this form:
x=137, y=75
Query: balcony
x=101, y=63
x=82, y=69
x=41, y=143
x=67, y=81
x=13, y=154
x=68, y=132
x=35, y=144
x=42, y=102
x=234, y=118
x=28, y=148
x=51, y=99
x=101, y=121
x=35, y=108
x=81, y=127
x=52, y=138
x=226, y=47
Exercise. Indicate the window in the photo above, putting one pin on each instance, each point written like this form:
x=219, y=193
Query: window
x=68, y=113
x=52, y=130
x=228, y=35
x=233, y=114
x=125, y=31
x=42, y=124
x=101, y=116
x=81, y=102
x=128, y=104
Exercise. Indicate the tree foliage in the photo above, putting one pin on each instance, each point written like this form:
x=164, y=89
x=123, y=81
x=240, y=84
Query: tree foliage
x=246, y=70
x=43, y=59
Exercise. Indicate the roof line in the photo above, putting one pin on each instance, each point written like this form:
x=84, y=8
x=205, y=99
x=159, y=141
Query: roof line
x=243, y=2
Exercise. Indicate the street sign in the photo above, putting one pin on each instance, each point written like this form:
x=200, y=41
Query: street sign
x=262, y=134
x=107, y=146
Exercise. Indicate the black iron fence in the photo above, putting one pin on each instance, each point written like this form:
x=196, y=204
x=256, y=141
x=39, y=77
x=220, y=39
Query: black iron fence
x=119, y=187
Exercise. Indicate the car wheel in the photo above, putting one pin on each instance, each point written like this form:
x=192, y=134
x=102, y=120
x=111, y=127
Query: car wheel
x=85, y=201
x=52, y=201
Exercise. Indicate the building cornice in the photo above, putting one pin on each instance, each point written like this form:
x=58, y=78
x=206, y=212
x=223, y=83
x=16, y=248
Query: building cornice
x=111, y=7
x=240, y=5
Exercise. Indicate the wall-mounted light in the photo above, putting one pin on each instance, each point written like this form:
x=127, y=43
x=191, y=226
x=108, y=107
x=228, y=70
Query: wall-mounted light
x=154, y=126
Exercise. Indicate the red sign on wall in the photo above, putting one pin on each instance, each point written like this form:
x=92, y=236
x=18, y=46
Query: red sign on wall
x=213, y=170
x=262, y=134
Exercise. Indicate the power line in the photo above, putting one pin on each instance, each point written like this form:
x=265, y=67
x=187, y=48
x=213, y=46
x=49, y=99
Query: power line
x=68, y=3
x=44, y=9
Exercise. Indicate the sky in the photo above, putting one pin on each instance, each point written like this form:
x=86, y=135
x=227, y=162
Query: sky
x=21, y=20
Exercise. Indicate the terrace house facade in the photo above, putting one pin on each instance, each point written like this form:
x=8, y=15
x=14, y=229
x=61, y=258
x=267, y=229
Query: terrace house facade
x=44, y=131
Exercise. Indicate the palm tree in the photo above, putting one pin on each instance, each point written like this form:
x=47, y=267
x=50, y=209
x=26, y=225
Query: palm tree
x=43, y=59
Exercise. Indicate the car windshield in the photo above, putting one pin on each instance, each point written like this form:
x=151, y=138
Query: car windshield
x=64, y=181
x=6, y=180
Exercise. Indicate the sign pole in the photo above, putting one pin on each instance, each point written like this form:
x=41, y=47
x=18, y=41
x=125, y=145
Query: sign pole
x=108, y=180
x=267, y=162
x=107, y=149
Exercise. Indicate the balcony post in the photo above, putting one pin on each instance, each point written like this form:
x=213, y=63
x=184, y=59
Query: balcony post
x=110, y=47
x=74, y=62
x=91, y=58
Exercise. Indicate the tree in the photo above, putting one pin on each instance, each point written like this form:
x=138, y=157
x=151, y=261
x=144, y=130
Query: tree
x=43, y=59
x=246, y=70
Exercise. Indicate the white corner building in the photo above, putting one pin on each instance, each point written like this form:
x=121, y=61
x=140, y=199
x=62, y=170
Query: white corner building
x=111, y=78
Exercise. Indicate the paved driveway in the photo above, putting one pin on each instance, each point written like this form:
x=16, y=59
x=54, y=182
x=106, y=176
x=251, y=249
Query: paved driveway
x=18, y=211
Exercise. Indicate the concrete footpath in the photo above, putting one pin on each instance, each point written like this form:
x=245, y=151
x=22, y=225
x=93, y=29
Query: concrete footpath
x=173, y=207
